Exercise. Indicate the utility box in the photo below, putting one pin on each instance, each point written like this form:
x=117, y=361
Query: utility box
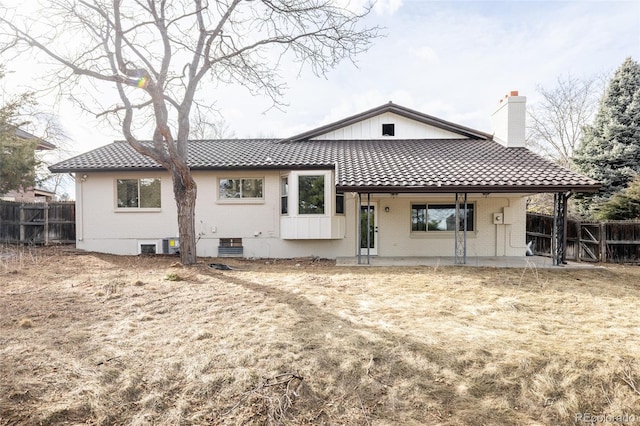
x=170, y=245
x=498, y=218
x=507, y=215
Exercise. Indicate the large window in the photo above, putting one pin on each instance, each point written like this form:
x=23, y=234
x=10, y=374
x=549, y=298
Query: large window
x=439, y=217
x=138, y=193
x=311, y=194
x=241, y=188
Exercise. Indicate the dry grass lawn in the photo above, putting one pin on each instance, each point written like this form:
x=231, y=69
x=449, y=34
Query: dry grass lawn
x=97, y=339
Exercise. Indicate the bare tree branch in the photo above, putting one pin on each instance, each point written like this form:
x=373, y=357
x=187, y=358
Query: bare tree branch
x=556, y=122
x=153, y=56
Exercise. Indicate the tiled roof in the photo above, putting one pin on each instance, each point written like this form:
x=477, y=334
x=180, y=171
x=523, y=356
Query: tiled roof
x=390, y=165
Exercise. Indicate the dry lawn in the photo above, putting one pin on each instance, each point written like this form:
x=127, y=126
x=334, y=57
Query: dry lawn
x=97, y=339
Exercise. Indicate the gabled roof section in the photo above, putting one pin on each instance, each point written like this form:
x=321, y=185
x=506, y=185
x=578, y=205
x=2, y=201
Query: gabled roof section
x=42, y=144
x=395, y=109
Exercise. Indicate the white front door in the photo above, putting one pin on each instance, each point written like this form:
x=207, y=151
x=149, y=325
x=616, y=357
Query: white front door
x=368, y=229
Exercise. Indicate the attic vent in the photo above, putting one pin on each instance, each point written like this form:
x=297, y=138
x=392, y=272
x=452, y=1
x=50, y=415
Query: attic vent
x=388, y=130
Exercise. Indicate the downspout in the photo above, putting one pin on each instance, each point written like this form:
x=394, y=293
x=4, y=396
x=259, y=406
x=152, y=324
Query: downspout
x=80, y=204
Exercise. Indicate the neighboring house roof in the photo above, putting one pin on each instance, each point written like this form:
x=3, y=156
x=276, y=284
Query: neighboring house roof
x=395, y=109
x=389, y=165
x=42, y=144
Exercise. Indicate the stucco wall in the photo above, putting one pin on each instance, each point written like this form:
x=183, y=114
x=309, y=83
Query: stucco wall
x=104, y=228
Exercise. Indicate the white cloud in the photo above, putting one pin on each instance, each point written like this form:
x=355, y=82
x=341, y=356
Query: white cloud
x=387, y=7
x=427, y=54
x=381, y=7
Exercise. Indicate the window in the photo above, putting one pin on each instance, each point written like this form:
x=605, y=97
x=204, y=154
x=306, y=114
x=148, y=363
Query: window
x=138, y=193
x=439, y=217
x=284, y=195
x=388, y=130
x=311, y=194
x=147, y=249
x=339, y=202
x=241, y=188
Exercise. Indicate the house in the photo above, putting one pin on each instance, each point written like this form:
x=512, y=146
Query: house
x=31, y=194
x=390, y=181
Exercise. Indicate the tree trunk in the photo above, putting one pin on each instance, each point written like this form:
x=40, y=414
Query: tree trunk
x=185, y=195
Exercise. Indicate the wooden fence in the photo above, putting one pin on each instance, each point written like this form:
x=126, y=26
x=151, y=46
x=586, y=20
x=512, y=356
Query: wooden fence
x=612, y=242
x=37, y=223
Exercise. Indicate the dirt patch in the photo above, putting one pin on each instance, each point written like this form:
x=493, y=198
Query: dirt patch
x=100, y=339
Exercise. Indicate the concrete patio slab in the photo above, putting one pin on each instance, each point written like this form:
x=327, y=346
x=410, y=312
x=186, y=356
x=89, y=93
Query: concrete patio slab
x=491, y=262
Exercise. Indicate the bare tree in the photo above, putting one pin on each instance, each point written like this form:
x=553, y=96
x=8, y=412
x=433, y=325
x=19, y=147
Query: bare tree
x=47, y=127
x=556, y=122
x=155, y=55
x=208, y=124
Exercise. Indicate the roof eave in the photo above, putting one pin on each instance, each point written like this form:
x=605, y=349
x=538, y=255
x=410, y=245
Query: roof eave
x=54, y=169
x=468, y=189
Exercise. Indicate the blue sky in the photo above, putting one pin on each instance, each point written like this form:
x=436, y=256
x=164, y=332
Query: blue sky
x=450, y=59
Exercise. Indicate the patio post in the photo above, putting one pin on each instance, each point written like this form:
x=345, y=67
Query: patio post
x=359, y=229
x=368, y=228
x=460, y=234
x=559, y=232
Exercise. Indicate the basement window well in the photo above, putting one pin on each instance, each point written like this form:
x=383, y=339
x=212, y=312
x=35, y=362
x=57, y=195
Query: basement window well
x=388, y=130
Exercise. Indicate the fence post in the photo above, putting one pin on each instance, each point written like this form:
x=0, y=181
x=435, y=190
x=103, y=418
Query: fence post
x=578, y=248
x=22, y=218
x=603, y=243
x=46, y=224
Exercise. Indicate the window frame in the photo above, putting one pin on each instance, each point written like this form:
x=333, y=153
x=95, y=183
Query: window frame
x=325, y=204
x=285, y=190
x=137, y=208
x=241, y=199
x=390, y=130
x=339, y=196
x=471, y=206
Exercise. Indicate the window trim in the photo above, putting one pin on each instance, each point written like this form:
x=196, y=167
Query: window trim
x=284, y=198
x=427, y=231
x=138, y=209
x=326, y=207
x=391, y=130
x=240, y=200
x=335, y=207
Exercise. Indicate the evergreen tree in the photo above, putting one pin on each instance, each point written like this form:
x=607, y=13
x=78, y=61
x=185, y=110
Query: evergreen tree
x=610, y=149
x=17, y=159
x=623, y=205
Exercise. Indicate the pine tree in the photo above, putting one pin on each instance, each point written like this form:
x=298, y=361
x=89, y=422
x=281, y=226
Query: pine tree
x=623, y=205
x=17, y=160
x=610, y=149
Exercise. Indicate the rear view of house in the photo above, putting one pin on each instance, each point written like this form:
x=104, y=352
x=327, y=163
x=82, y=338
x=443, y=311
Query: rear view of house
x=389, y=182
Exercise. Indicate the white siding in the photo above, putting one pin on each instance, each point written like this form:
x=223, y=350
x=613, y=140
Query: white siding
x=404, y=129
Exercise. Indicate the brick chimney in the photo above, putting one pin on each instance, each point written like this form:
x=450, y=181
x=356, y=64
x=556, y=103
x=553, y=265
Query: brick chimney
x=508, y=122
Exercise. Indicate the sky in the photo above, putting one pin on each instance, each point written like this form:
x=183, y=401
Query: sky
x=450, y=59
